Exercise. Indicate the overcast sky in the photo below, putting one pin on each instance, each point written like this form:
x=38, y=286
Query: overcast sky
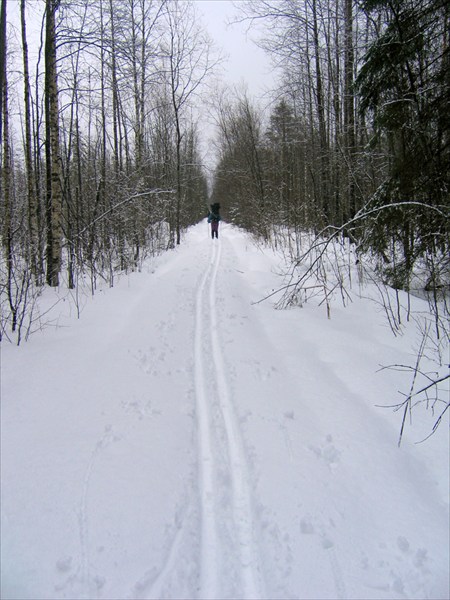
x=245, y=65
x=245, y=62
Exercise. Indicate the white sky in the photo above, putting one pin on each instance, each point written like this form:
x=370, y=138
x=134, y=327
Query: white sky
x=245, y=63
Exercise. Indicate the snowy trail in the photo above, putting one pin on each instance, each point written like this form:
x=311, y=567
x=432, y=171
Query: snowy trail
x=209, y=542
x=182, y=441
x=212, y=391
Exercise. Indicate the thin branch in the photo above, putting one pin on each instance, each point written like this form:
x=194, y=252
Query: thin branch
x=119, y=204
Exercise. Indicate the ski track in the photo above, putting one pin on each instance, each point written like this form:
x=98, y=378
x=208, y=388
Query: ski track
x=83, y=519
x=153, y=583
x=208, y=560
x=226, y=528
x=214, y=545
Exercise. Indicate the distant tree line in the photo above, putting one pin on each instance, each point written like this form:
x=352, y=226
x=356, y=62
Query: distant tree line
x=359, y=138
x=100, y=159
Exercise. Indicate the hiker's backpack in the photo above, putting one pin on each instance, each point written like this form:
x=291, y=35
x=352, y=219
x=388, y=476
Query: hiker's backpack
x=215, y=215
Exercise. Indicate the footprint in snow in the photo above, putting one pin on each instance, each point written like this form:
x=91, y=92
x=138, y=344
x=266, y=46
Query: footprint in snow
x=306, y=526
x=327, y=452
x=263, y=373
x=403, y=544
x=327, y=543
x=408, y=575
x=64, y=565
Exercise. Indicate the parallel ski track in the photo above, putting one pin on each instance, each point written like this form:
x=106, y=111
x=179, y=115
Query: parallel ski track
x=209, y=538
x=207, y=347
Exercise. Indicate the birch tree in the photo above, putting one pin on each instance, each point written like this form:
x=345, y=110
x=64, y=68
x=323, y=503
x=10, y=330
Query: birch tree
x=54, y=187
x=32, y=197
x=7, y=233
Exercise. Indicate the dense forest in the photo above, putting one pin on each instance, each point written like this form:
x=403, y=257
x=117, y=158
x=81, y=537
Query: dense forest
x=101, y=161
x=358, y=139
x=104, y=167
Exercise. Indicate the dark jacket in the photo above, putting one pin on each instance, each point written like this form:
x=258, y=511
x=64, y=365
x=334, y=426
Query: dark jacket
x=212, y=216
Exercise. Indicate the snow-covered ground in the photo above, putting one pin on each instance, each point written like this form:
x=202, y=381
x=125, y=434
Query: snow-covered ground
x=180, y=441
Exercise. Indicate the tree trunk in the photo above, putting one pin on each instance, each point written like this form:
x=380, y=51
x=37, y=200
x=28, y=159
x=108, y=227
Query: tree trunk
x=53, y=158
x=349, y=111
x=6, y=175
x=2, y=60
x=31, y=182
x=320, y=99
x=114, y=92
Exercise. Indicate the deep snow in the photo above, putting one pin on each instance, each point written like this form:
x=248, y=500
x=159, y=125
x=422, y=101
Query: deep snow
x=181, y=441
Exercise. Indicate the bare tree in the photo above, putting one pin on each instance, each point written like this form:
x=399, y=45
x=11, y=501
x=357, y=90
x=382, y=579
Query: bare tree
x=109, y=132
x=7, y=232
x=34, y=259
x=54, y=189
x=2, y=59
x=187, y=49
x=240, y=175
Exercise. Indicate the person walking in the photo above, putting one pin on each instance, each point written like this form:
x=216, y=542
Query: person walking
x=214, y=218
